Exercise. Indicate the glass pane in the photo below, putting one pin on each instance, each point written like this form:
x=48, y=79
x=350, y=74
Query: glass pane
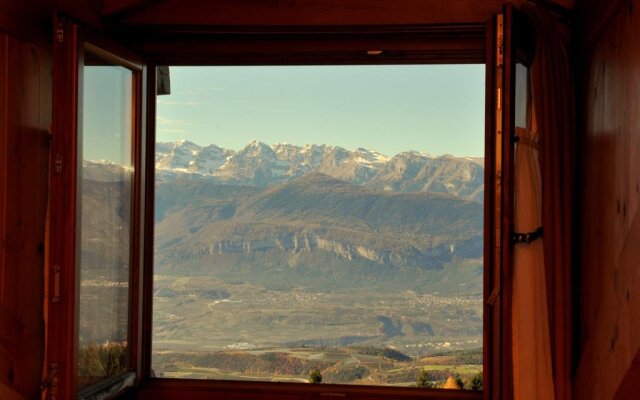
x=522, y=95
x=320, y=222
x=105, y=203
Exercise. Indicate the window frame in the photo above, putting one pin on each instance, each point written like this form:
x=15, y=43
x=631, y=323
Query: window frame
x=62, y=274
x=426, y=44
x=110, y=53
x=462, y=44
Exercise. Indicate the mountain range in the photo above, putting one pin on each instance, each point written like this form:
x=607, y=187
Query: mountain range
x=261, y=165
x=317, y=210
x=339, y=216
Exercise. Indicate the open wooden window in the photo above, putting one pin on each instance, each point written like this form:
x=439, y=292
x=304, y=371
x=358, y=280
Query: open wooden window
x=509, y=52
x=94, y=232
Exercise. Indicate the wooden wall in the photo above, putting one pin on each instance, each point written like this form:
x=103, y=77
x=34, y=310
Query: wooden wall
x=25, y=116
x=608, y=247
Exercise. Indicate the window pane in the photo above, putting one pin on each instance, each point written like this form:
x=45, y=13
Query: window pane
x=522, y=95
x=320, y=221
x=105, y=203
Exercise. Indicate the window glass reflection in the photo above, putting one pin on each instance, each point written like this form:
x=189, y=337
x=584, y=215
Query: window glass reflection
x=104, y=237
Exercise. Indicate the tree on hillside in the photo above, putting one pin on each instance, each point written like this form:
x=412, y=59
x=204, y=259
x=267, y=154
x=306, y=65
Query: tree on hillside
x=459, y=381
x=424, y=380
x=476, y=382
x=315, y=376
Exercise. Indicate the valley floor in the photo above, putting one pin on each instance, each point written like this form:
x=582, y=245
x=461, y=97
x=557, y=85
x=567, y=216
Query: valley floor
x=205, y=328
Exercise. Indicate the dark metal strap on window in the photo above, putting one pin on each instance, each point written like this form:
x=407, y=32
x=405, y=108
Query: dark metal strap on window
x=529, y=237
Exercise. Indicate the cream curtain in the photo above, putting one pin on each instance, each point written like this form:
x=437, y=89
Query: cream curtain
x=531, y=346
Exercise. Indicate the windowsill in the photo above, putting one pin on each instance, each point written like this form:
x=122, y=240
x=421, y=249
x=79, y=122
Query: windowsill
x=164, y=388
x=108, y=388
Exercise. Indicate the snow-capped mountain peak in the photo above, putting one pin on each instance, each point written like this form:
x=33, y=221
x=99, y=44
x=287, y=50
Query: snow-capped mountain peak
x=260, y=164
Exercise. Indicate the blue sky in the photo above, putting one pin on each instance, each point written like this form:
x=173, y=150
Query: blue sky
x=438, y=109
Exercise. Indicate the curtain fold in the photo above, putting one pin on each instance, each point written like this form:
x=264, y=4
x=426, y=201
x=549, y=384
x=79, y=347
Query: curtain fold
x=553, y=105
x=532, y=377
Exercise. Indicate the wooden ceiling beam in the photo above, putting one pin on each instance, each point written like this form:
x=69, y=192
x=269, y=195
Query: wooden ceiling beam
x=310, y=47
x=110, y=7
x=317, y=12
x=115, y=10
x=27, y=21
x=85, y=11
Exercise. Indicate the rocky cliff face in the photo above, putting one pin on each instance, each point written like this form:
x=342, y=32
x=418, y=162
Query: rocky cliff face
x=292, y=244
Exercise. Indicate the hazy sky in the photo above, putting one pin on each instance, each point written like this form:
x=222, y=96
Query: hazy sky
x=436, y=109
x=106, y=114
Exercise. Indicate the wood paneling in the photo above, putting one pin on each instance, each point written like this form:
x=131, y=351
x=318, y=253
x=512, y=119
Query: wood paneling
x=609, y=193
x=31, y=19
x=7, y=393
x=27, y=20
x=25, y=112
x=629, y=387
x=595, y=17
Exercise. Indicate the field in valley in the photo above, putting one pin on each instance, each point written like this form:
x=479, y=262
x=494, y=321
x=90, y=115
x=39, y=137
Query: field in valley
x=205, y=328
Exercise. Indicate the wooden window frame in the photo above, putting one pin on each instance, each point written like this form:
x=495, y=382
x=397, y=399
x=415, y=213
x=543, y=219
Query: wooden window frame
x=62, y=272
x=433, y=45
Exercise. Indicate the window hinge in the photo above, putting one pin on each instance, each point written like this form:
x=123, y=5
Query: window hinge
x=495, y=293
x=56, y=284
x=58, y=164
x=50, y=383
x=60, y=32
